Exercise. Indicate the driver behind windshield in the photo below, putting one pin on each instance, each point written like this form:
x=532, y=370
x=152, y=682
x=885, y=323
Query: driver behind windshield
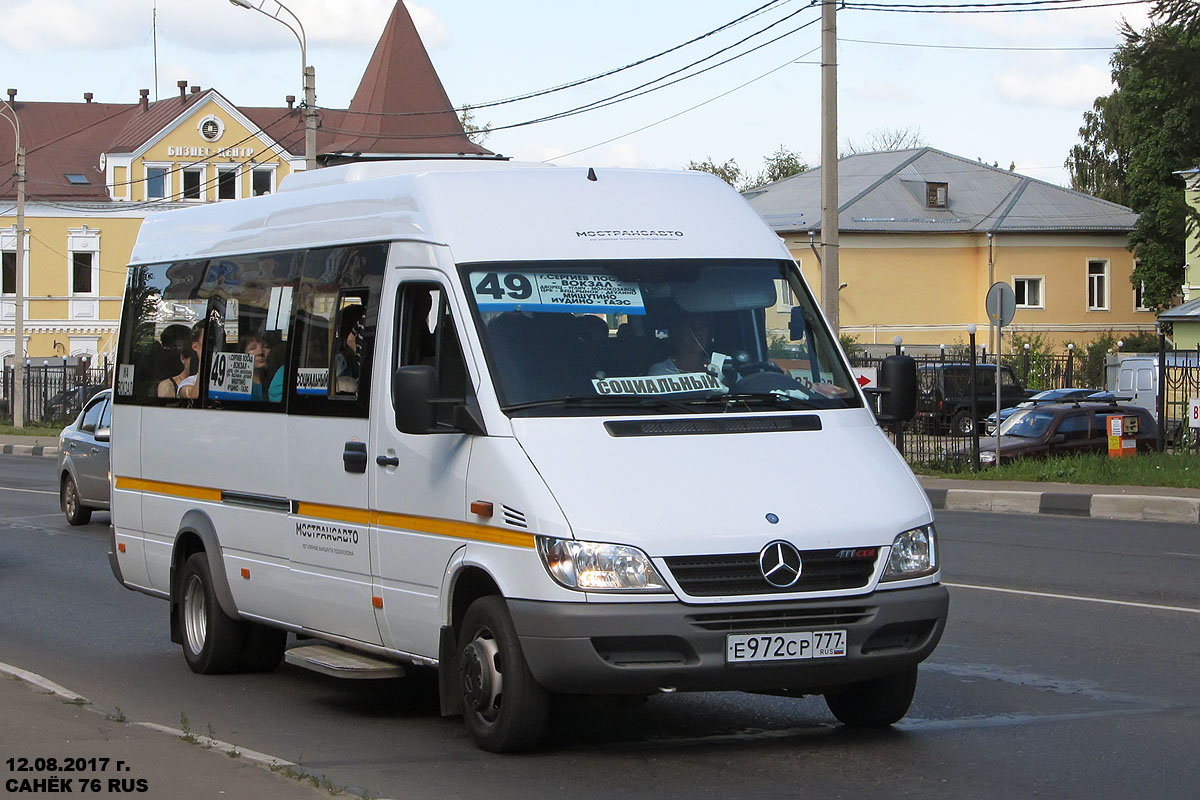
x=691, y=346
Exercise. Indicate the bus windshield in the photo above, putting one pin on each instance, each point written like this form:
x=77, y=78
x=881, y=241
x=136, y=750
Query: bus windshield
x=567, y=337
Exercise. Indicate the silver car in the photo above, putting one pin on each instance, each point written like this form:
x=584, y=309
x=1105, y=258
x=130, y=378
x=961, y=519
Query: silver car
x=83, y=483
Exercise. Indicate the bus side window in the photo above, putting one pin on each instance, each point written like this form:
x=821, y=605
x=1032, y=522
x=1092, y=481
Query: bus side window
x=249, y=331
x=336, y=310
x=164, y=306
x=428, y=336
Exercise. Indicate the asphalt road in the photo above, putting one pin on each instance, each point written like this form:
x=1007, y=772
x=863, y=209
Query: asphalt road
x=1068, y=670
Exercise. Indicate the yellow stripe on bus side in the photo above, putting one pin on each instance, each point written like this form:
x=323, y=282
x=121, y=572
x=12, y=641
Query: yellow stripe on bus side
x=356, y=516
x=162, y=487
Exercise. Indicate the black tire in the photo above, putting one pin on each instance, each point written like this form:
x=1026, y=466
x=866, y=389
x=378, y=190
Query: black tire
x=504, y=707
x=264, y=648
x=876, y=703
x=213, y=642
x=72, y=506
x=962, y=424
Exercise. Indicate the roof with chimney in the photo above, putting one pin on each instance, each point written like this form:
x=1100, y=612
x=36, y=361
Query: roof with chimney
x=889, y=192
x=399, y=110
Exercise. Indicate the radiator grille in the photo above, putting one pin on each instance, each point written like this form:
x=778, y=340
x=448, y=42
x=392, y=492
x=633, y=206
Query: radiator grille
x=782, y=619
x=739, y=573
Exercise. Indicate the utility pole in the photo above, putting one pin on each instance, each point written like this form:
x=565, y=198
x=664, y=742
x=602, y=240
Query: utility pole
x=310, y=116
x=19, y=311
x=830, y=277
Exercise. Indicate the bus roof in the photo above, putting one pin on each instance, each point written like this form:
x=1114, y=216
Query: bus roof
x=483, y=210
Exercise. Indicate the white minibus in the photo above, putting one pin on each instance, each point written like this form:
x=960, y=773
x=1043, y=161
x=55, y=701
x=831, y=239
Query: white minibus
x=547, y=430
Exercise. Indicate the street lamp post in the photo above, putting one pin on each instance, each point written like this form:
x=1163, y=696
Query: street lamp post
x=18, y=403
x=308, y=74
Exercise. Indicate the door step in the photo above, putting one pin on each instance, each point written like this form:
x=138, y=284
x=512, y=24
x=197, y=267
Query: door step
x=341, y=663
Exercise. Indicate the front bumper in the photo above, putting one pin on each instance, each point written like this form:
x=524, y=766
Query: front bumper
x=642, y=648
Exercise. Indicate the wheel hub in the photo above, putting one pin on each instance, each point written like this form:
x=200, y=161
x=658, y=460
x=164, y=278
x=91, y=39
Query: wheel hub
x=481, y=681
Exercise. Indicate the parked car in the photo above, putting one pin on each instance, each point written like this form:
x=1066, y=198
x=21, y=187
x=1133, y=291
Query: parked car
x=83, y=482
x=944, y=400
x=1061, y=429
x=66, y=404
x=1047, y=396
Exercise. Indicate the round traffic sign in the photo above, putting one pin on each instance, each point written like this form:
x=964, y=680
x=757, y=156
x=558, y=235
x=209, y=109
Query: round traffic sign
x=1001, y=303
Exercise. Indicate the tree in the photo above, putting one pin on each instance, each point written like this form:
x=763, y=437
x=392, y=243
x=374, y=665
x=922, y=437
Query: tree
x=1133, y=140
x=783, y=163
x=885, y=139
x=729, y=172
x=476, y=133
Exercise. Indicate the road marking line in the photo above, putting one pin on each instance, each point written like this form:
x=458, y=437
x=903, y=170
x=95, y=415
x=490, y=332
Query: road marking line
x=1054, y=596
x=30, y=491
x=1184, y=555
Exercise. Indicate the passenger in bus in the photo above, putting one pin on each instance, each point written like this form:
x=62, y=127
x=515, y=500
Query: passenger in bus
x=188, y=387
x=256, y=346
x=691, y=346
x=346, y=360
x=173, y=359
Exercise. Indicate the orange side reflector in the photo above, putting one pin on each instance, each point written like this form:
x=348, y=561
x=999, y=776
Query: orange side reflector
x=377, y=602
x=245, y=573
x=121, y=547
x=481, y=507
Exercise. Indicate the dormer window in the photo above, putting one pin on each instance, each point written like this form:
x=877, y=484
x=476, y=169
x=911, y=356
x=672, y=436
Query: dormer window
x=937, y=195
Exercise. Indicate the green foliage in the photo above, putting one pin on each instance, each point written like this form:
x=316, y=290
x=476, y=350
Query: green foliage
x=1140, y=342
x=729, y=172
x=1137, y=137
x=1144, y=469
x=853, y=348
x=1041, y=360
x=1090, y=360
x=783, y=163
x=476, y=133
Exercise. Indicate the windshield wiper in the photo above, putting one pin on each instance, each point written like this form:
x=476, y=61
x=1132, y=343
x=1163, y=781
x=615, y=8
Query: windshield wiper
x=749, y=399
x=603, y=401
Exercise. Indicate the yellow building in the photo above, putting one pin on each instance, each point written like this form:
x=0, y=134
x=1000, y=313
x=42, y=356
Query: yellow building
x=94, y=171
x=924, y=233
x=1184, y=320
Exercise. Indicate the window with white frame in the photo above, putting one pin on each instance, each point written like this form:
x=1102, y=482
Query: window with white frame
x=8, y=272
x=193, y=183
x=227, y=184
x=1030, y=291
x=82, y=276
x=262, y=181
x=83, y=246
x=1097, y=285
x=158, y=181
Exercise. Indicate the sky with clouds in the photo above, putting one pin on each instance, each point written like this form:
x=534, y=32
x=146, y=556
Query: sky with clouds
x=967, y=88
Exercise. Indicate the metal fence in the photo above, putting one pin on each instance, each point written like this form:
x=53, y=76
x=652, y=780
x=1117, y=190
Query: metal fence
x=53, y=394
x=927, y=442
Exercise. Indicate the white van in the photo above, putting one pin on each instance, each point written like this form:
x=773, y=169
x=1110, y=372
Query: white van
x=544, y=429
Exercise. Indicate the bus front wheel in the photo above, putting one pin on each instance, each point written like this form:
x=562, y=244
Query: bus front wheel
x=504, y=707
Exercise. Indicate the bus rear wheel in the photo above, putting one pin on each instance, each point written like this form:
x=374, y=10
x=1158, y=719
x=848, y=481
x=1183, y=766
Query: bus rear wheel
x=504, y=707
x=213, y=642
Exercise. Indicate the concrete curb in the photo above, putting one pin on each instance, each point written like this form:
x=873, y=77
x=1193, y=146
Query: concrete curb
x=28, y=450
x=1152, y=508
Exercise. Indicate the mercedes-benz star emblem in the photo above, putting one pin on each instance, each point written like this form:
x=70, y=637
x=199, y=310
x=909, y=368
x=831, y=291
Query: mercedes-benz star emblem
x=780, y=564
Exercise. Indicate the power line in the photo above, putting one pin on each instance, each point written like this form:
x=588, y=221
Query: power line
x=1007, y=8
x=787, y=63
x=604, y=102
x=972, y=47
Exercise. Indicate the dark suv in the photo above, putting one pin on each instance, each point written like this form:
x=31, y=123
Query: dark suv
x=944, y=400
x=1061, y=429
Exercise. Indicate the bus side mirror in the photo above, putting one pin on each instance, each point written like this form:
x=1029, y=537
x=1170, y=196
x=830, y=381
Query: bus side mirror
x=413, y=389
x=414, y=396
x=797, y=330
x=897, y=377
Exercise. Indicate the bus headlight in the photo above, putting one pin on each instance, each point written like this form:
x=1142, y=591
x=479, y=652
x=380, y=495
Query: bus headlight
x=988, y=456
x=596, y=567
x=914, y=555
